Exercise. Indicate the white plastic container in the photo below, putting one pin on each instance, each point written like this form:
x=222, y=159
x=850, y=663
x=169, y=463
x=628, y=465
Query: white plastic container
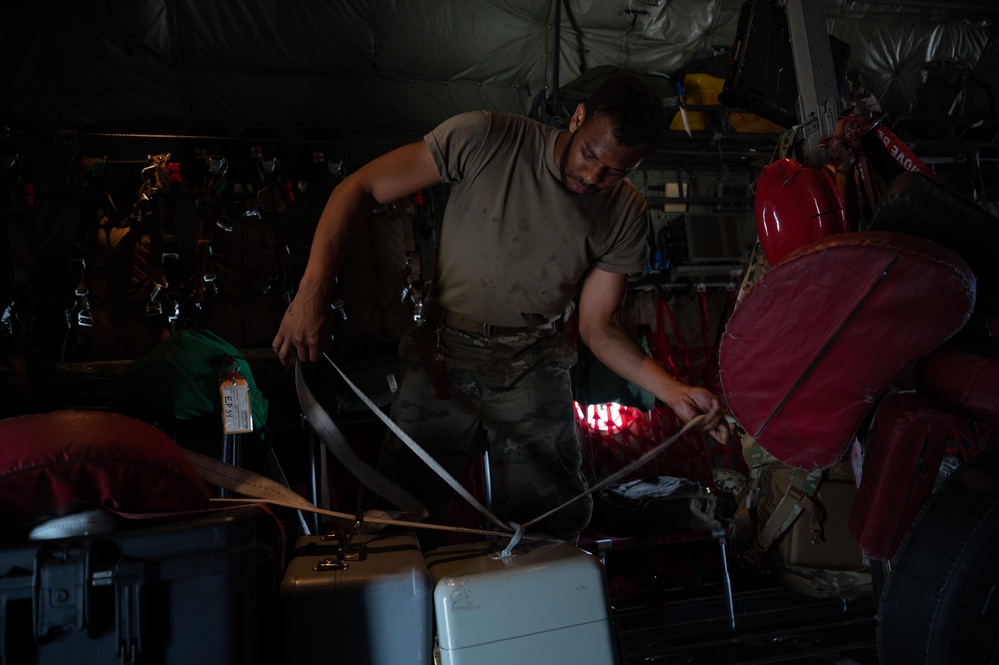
x=547, y=603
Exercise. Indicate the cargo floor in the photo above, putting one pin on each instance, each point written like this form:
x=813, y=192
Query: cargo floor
x=772, y=625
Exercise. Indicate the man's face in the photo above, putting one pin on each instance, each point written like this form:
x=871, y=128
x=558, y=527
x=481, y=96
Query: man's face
x=592, y=159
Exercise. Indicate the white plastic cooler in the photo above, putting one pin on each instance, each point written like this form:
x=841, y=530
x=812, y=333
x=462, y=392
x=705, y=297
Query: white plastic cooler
x=547, y=603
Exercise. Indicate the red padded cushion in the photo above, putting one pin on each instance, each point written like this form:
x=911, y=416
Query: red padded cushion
x=795, y=206
x=902, y=459
x=52, y=462
x=966, y=380
x=819, y=337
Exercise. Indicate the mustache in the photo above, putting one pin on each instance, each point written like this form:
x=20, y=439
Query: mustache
x=585, y=186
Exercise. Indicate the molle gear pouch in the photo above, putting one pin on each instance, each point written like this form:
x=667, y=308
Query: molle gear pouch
x=794, y=523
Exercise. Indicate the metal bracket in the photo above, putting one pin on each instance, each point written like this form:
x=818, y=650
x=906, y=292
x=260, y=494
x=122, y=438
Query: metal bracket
x=819, y=102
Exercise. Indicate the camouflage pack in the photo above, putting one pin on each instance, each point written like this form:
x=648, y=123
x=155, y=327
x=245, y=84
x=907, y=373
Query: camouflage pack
x=794, y=523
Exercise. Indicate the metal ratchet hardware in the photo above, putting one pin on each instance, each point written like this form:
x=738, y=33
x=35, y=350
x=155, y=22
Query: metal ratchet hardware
x=344, y=552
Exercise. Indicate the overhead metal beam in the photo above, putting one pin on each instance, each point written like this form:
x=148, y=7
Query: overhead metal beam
x=819, y=101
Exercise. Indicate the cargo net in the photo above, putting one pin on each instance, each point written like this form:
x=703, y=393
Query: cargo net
x=616, y=434
x=969, y=437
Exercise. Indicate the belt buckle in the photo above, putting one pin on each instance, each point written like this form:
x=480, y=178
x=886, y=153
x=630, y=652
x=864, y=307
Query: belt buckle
x=488, y=330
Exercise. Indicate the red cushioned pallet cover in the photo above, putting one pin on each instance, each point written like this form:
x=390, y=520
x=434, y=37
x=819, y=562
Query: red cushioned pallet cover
x=902, y=455
x=53, y=462
x=964, y=379
x=819, y=337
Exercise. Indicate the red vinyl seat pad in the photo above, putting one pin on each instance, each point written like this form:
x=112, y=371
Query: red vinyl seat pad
x=964, y=380
x=816, y=340
x=902, y=455
x=53, y=463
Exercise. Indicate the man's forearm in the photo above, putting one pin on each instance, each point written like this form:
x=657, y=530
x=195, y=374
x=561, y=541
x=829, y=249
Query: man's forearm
x=346, y=210
x=616, y=348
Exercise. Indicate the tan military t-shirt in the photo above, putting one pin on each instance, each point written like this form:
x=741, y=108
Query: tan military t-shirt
x=515, y=244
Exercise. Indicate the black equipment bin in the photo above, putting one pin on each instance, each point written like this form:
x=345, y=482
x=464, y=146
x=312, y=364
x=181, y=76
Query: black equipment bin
x=193, y=589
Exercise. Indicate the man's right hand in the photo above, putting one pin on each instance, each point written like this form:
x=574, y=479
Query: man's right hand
x=305, y=327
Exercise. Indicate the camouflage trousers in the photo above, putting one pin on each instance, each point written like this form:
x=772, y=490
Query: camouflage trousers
x=507, y=394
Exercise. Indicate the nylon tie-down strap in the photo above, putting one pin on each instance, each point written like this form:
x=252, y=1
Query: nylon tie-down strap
x=259, y=488
x=333, y=439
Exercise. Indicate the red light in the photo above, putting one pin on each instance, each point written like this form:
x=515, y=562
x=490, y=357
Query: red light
x=611, y=417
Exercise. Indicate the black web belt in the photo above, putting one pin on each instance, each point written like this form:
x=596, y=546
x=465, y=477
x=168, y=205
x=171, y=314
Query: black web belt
x=468, y=324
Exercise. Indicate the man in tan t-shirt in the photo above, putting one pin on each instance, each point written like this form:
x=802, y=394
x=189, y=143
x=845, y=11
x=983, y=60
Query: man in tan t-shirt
x=536, y=218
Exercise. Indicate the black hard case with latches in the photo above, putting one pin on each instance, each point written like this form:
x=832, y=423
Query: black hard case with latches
x=194, y=589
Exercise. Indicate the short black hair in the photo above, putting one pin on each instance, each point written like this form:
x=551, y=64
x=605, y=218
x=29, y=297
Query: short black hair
x=633, y=106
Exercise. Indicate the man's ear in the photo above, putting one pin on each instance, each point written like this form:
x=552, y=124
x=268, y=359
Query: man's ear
x=577, y=117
